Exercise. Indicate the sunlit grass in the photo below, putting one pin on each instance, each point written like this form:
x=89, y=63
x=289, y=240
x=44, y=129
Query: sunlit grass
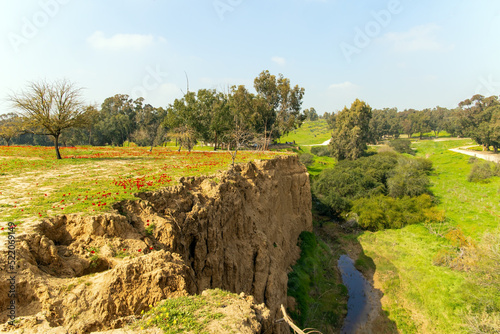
x=33, y=184
x=310, y=133
x=420, y=296
x=186, y=314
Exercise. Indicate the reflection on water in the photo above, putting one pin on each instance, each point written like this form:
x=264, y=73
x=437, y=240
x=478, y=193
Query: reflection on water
x=358, y=307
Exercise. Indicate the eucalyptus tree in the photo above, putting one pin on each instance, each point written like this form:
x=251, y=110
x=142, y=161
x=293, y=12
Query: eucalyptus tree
x=10, y=127
x=475, y=116
x=352, y=131
x=281, y=104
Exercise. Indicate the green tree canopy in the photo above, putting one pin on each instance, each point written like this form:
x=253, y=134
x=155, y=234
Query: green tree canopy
x=352, y=131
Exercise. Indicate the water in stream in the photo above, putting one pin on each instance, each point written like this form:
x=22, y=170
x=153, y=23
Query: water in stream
x=358, y=305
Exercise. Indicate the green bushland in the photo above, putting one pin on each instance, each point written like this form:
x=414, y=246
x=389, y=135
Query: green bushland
x=409, y=177
x=314, y=283
x=321, y=151
x=306, y=158
x=349, y=180
x=482, y=171
x=384, y=190
x=444, y=277
x=381, y=212
x=401, y=146
x=436, y=277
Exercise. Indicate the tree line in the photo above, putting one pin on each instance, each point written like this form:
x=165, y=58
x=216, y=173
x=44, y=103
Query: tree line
x=54, y=113
x=355, y=127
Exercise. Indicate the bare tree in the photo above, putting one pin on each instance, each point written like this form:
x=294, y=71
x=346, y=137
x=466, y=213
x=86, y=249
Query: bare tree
x=185, y=136
x=238, y=137
x=48, y=109
x=10, y=126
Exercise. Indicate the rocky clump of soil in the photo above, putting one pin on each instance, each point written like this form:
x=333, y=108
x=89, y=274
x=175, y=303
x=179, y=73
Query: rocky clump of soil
x=237, y=231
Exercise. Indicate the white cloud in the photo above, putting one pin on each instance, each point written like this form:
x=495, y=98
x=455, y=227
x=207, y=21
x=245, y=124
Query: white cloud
x=279, y=60
x=419, y=38
x=121, y=41
x=343, y=85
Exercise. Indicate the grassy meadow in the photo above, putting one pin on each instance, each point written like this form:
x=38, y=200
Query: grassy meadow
x=310, y=133
x=420, y=295
x=34, y=184
x=437, y=278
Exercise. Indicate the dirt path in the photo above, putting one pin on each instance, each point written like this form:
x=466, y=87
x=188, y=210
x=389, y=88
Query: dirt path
x=485, y=155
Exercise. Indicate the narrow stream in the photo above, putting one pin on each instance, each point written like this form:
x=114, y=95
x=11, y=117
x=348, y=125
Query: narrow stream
x=358, y=305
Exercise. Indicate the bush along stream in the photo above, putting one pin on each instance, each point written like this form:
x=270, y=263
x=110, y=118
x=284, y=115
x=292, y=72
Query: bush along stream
x=333, y=291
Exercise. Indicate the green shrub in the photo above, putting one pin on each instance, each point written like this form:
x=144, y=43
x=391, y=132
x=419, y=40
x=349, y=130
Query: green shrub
x=386, y=173
x=349, y=180
x=481, y=171
x=409, y=178
x=496, y=171
x=472, y=160
x=150, y=229
x=401, y=146
x=321, y=151
x=381, y=212
x=306, y=158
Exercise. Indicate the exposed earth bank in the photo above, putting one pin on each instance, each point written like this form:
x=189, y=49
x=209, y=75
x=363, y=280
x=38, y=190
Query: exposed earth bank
x=236, y=231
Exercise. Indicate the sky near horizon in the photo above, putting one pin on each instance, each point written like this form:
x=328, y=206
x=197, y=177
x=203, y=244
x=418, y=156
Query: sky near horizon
x=395, y=53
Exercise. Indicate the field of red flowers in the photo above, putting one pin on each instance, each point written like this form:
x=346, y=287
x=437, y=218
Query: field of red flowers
x=33, y=184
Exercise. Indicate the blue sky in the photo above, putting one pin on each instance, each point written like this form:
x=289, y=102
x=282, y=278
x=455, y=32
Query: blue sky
x=404, y=54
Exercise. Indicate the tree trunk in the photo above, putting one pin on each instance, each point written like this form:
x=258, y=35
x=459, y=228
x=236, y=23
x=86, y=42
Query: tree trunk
x=8, y=141
x=56, y=144
x=495, y=149
x=215, y=145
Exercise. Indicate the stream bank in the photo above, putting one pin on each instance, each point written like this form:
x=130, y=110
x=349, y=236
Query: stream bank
x=368, y=316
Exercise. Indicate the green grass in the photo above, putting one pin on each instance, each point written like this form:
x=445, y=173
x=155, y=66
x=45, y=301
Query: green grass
x=314, y=283
x=310, y=133
x=442, y=134
x=319, y=164
x=33, y=184
x=185, y=314
x=420, y=296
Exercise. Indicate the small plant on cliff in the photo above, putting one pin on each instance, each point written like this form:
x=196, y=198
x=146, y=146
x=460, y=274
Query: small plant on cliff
x=94, y=256
x=122, y=253
x=150, y=229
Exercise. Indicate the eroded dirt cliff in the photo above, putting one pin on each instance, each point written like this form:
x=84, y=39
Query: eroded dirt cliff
x=236, y=231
